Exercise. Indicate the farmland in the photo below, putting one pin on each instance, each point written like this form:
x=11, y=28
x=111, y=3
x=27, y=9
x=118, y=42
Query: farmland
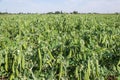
x=60, y=47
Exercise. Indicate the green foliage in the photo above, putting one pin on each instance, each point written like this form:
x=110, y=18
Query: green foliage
x=60, y=47
x=75, y=12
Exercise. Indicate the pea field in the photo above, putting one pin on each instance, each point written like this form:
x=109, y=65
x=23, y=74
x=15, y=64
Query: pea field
x=60, y=47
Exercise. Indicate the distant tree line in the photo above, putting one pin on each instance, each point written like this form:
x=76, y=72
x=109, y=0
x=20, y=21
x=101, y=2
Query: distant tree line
x=76, y=12
x=59, y=12
x=3, y=12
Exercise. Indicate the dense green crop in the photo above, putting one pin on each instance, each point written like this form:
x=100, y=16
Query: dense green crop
x=60, y=47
